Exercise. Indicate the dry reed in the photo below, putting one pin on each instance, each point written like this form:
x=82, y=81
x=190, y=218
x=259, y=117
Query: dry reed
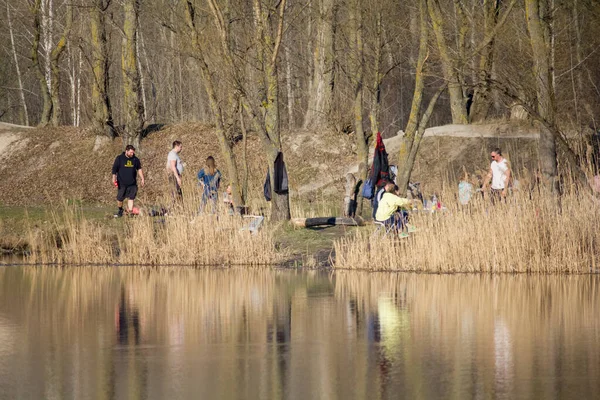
x=525, y=234
x=184, y=237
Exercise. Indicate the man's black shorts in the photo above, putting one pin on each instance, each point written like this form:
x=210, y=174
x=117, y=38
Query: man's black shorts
x=128, y=192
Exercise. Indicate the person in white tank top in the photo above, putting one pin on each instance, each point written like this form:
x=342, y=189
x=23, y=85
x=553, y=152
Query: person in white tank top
x=499, y=174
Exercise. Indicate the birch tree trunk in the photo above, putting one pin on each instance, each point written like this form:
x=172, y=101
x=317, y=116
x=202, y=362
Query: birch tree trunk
x=320, y=96
x=102, y=119
x=25, y=115
x=72, y=84
x=542, y=73
x=449, y=66
x=47, y=12
x=134, y=109
x=78, y=98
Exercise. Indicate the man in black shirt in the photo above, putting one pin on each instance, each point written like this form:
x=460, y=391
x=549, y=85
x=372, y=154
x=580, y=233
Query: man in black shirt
x=124, y=176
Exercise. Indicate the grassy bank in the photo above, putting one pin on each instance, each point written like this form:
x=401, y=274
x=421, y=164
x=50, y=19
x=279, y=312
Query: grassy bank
x=529, y=233
x=179, y=239
x=535, y=234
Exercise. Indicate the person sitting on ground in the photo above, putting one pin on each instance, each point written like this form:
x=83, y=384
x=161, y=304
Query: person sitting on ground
x=228, y=200
x=209, y=179
x=392, y=208
x=377, y=198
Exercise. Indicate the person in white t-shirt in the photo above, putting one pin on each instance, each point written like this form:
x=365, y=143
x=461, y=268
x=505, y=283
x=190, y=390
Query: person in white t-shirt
x=499, y=174
x=175, y=169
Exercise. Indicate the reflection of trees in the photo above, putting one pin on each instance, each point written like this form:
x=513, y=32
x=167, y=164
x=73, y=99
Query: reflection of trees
x=472, y=334
x=180, y=333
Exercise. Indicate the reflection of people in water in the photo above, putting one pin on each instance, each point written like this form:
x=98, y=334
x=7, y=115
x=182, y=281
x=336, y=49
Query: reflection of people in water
x=127, y=318
x=129, y=377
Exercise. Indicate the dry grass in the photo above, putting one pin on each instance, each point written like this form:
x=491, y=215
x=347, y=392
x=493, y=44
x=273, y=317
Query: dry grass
x=524, y=235
x=184, y=237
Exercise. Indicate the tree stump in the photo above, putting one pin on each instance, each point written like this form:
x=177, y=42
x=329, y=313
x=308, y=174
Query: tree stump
x=349, y=206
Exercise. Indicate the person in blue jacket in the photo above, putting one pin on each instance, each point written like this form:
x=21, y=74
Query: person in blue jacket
x=209, y=178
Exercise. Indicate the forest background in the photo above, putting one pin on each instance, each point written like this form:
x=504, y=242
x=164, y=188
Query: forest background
x=331, y=67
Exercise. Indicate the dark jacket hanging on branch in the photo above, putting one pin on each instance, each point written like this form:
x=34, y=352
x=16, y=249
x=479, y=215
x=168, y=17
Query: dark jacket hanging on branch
x=380, y=169
x=280, y=178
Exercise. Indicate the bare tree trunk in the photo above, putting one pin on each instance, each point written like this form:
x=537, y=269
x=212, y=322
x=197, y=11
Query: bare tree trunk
x=542, y=72
x=244, y=152
x=134, y=109
x=102, y=119
x=78, y=111
x=35, y=58
x=55, y=55
x=25, y=115
x=215, y=104
x=579, y=58
x=404, y=176
x=263, y=108
x=142, y=85
x=449, y=66
x=320, y=96
x=73, y=84
x=461, y=37
x=407, y=142
x=481, y=97
x=289, y=85
x=268, y=54
x=375, y=110
x=362, y=148
x=152, y=115
x=180, y=89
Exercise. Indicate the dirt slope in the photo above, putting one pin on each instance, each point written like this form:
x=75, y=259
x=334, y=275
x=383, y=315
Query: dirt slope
x=39, y=166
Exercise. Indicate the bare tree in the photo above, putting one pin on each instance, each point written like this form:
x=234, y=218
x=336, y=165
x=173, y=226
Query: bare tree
x=211, y=88
x=134, y=108
x=55, y=56
x=481, y=97
x=25, y=119
x=320, y=96
x=102, y=119
x=357, y=78
x=450, y=65
x=537, y=24
x=417, y=122
x=46, y=114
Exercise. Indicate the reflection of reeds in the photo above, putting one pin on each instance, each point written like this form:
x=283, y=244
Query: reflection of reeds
x=184, y=238
x=523, y=235
x=261, y=333
x=493, y=333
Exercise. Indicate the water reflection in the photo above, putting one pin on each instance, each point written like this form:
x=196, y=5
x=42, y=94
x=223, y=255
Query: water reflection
x=184, y=333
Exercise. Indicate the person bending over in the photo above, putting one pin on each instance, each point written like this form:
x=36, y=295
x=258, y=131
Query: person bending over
x=125, y=170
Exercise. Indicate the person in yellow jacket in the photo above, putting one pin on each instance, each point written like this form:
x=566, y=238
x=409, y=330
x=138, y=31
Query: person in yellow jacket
x=391, y=210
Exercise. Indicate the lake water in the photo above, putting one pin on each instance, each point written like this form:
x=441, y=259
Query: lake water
x=130, y=333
